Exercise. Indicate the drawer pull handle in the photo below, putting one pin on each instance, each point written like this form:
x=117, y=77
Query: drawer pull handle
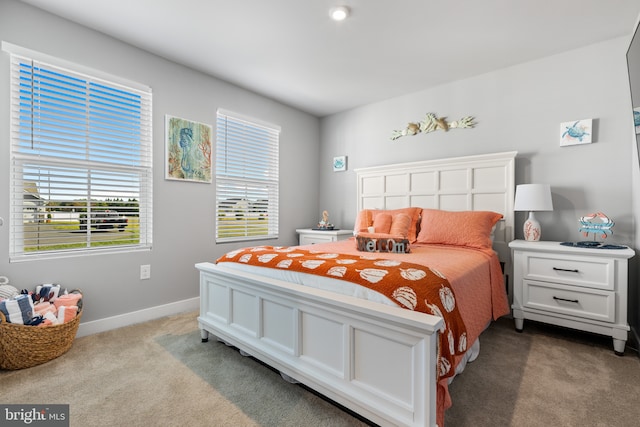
x=566, y=269
x=566, y=300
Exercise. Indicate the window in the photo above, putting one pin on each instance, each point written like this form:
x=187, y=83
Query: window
x=246, y=178
x=81, y=170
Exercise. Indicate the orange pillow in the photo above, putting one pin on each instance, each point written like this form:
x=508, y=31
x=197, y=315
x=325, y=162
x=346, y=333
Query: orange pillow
x=363, y=221
x=414, y=214
x=465, y=228
x=382, y=223
x=366, y=218
x=400, y=225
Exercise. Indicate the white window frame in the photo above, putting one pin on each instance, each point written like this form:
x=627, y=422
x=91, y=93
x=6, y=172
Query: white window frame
x=247, y=178
x=67, y=162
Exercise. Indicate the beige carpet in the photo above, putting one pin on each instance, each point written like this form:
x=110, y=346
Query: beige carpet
x=159, y=373
x=546, y=376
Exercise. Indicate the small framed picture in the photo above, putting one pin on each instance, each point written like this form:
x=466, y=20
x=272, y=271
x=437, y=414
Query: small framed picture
x=576, y=132
x=340, y=163
x=636, y=119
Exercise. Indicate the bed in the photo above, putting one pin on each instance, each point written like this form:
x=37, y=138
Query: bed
x=371, y=356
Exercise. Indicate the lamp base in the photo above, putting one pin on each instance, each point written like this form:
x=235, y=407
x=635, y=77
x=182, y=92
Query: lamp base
x=532, y=230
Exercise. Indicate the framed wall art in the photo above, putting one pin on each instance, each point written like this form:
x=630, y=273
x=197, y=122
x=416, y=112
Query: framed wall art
x=188, y=150
x=576, y=132
x=340, y=163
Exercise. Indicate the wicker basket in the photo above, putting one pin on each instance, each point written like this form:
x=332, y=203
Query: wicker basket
x=26, y=346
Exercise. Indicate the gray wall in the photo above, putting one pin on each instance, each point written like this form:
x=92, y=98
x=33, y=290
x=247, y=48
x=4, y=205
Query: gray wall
x=517, y=108
x=184, y=213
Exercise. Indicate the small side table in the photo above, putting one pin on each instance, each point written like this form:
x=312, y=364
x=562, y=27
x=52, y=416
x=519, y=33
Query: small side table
x=308, y=236
x=578, y=288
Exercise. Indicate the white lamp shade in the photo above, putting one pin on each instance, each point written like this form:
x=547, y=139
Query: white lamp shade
x=533, y=197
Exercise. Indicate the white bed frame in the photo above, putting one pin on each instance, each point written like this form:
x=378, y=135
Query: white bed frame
x=376, y=360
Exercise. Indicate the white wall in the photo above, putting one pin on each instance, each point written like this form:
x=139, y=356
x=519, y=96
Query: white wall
x=184, y=213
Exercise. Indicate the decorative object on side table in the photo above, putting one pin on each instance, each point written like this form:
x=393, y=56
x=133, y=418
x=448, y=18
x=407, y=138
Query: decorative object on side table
x=533, y=198
x=596, y=223
x=600, y=225
x=324, y=223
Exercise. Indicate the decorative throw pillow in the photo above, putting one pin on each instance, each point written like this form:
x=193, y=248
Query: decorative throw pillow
x=366, y=217
x=382, y=223
x=400, y=225
x=464, y=228
x=363, y=222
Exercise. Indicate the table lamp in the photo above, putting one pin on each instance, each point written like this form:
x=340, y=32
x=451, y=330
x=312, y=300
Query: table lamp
x=532, y=198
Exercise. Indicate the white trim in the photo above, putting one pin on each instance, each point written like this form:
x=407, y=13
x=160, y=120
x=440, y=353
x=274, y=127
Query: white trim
x=127, y=319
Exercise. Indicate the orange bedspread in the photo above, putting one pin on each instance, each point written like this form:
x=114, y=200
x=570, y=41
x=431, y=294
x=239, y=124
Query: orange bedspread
x=476, y=278
x=474, y=275
x=411, y=286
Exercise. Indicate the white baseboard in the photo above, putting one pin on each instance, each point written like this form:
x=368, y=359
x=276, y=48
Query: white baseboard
x=102, y=325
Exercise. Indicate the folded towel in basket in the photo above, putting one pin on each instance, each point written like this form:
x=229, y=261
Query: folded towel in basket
x=49, y=319
x=66, y=313
x=47, y=292
x=18, y=310
x=68, y=300
x=44, y=307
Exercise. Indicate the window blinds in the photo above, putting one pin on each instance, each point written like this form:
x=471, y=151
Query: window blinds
x=246, y=178
x=81, y=154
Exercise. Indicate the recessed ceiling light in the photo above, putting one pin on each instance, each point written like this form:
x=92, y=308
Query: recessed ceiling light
x=339, y=13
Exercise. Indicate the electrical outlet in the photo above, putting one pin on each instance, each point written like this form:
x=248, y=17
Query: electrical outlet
x=145, y=272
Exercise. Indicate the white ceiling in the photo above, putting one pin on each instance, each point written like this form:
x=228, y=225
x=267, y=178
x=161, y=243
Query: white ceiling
x=291, y=51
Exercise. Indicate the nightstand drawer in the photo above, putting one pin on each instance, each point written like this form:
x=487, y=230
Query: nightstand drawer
x=306, y=239
x=590, y=272
x=569, y=300
x=308, y=236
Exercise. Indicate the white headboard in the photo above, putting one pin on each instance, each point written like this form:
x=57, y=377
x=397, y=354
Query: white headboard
x=484, y=182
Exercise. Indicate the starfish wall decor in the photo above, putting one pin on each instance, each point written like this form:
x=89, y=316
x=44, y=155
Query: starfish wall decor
x=432, y=123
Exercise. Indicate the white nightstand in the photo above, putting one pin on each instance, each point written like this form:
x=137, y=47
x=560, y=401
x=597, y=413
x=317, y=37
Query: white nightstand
x=579, y=288
x=308, y=236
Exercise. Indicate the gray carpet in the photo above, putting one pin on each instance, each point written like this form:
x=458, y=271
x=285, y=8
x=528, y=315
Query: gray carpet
x=159, y=373
x=255, y=389
x=546, y=376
